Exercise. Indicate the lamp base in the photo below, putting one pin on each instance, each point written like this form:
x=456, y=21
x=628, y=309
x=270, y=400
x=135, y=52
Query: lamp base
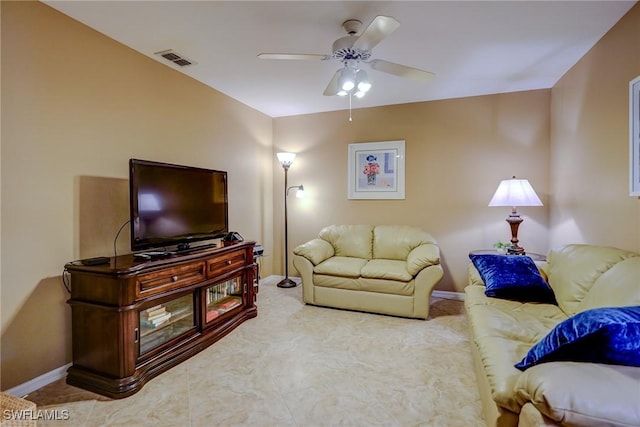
x=287, y=283
x=515, y=250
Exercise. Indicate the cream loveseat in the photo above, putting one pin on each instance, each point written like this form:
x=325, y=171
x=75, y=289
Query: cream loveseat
x=584, y=279
x=387, y=269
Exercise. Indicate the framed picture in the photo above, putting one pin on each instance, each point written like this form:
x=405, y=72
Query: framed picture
x=634, y=137
x=376, y=170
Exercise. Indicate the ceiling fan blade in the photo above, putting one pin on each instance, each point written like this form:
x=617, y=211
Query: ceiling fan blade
x=293, y=56
x=332, y=87
x=378, y=29
x=401, y=70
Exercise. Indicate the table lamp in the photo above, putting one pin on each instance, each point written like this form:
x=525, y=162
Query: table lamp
x=515, y=192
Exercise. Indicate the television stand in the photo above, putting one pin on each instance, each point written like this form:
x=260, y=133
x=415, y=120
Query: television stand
x=133, y=319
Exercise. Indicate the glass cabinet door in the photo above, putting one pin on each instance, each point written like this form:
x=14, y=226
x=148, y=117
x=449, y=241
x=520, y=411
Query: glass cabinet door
x=222, y=298
x=163, y=322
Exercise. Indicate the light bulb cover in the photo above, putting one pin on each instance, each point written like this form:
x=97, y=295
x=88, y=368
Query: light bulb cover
x=347, y=80
x=286, y=159
x=300, y=192
x=364, y=87
x=363, y=81
x=348, y=85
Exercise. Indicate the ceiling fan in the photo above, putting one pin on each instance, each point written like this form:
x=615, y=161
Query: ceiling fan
x=354, y=50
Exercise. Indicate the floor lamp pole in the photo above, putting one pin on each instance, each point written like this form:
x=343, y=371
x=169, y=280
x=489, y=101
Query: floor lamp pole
x=286, y=282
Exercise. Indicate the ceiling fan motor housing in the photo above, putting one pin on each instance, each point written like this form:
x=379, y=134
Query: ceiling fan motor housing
x=343, y=50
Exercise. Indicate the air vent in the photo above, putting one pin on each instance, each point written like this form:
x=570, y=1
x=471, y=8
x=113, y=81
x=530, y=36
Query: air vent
x=176, y=58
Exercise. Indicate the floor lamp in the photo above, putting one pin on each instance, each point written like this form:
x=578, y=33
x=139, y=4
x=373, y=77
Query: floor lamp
x=286, y=159
x=515, y=192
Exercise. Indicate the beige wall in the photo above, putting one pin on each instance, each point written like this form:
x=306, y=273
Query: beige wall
x=457, y=151
x=590, y=144
x=75, y=107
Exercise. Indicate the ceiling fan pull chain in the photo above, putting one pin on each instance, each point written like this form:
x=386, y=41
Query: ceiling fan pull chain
x=350, y=106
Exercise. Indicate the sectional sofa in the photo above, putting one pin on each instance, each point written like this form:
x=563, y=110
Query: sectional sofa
x=570, y=360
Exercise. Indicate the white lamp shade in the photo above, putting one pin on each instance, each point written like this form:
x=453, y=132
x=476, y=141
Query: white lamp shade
x=515, y=192
x=363, y=81
x=347, y=80
x=286, y=159
x=300, y=192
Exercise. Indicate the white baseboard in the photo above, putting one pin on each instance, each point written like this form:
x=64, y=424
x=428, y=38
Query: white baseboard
x=457, y=296
x=32, y=385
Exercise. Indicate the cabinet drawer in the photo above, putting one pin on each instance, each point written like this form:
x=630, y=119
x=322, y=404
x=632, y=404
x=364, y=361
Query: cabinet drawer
x=172, y=278
x=229, y=262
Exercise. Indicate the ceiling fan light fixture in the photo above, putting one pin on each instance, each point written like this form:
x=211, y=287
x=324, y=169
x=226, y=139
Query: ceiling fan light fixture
x=364, y=87
x=347, y=80
x=348, y=85
x=352, y=51
x=363, y=81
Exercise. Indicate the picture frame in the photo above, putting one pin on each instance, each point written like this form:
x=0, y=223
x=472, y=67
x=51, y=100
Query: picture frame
x=376, y=170
x=634, y=137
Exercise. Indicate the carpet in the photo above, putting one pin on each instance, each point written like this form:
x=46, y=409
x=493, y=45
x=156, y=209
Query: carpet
x=301, y=365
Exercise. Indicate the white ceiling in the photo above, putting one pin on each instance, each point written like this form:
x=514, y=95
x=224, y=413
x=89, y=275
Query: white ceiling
x=473, y=47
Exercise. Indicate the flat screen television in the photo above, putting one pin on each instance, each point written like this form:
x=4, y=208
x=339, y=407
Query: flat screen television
x=173, y=205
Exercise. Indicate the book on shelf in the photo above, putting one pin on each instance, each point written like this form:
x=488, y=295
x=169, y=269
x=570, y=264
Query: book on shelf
x=155, y=307
x=229, y=304
x=156, y=321
x=155, y=313
x=154, y=310
x=212, y=315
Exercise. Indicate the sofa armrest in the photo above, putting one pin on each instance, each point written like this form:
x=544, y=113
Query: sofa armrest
x=316, y=250
x=585, y=394
x=425, y=282
x=305, y=269
x=422, y=256
x=474, y=275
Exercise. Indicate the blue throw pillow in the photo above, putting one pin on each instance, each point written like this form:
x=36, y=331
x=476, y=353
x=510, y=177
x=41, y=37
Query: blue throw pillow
x=513, y=277
x=601, y=335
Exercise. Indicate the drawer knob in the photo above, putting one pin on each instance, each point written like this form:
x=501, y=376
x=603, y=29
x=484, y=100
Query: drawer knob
x=174, y=278
x=228, y=262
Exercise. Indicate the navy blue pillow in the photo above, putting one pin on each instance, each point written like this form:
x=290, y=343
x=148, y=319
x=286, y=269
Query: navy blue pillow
x=513, y=277
x=601, y=335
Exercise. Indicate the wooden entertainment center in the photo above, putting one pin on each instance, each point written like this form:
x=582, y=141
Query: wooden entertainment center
x=134, y=319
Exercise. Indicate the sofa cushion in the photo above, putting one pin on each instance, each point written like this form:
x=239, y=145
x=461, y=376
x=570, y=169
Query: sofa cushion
x=386, y=269
x=617, y=287
x=340, y=266
x=503, y=331
x=512, y=277
x=396, y=241
x=349, y=240
x=600, y=335
x=366, y=286
x=582, y=394
x=573, y=270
